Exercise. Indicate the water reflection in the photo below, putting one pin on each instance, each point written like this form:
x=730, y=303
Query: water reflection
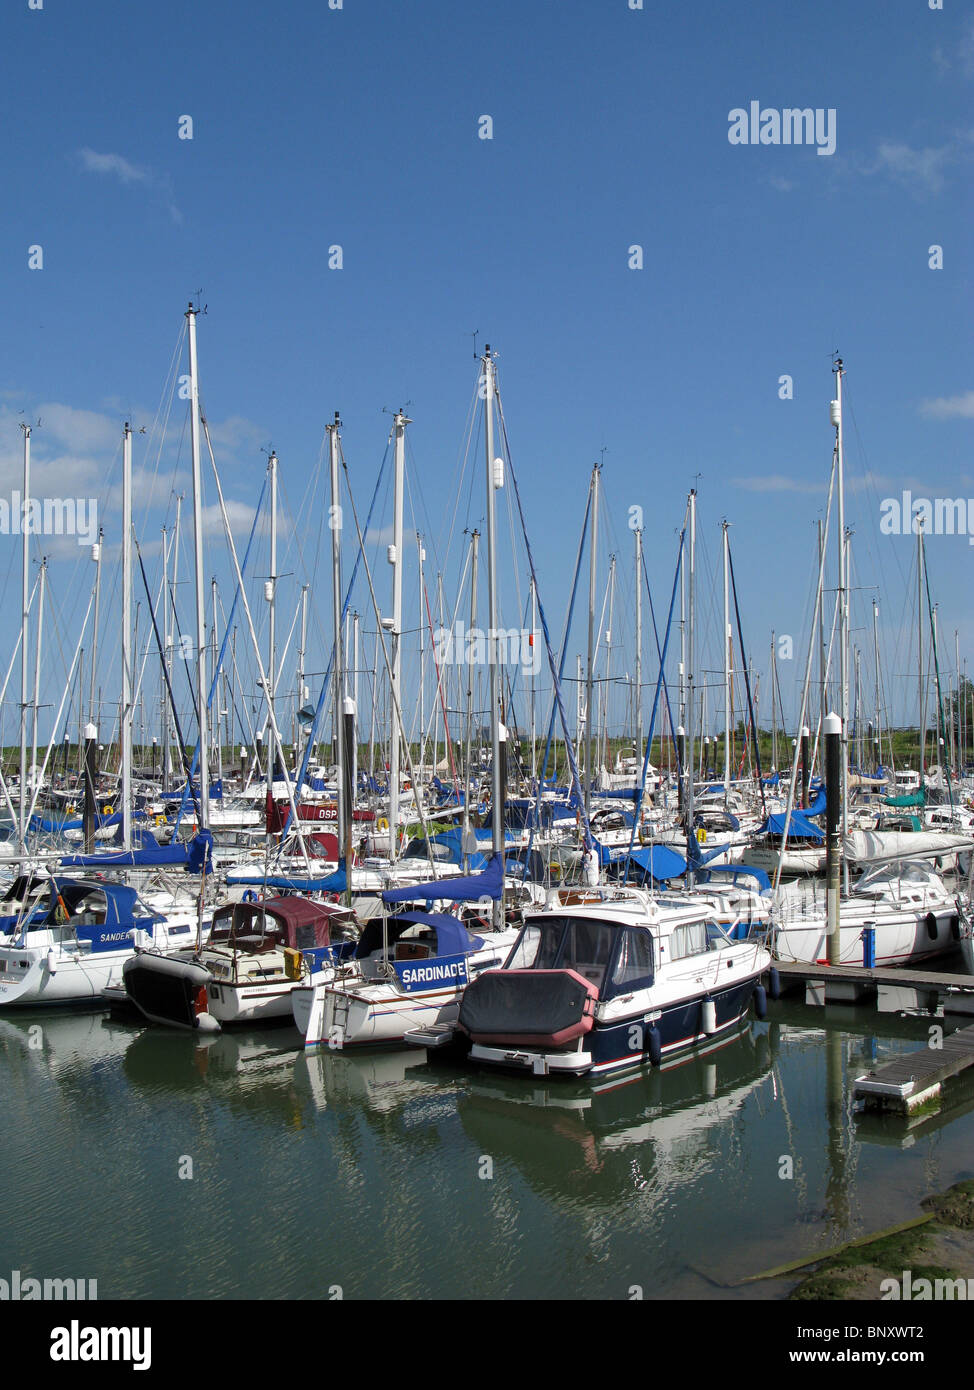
x=401, y=1178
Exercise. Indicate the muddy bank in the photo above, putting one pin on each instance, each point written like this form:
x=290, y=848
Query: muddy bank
x=941, y=1248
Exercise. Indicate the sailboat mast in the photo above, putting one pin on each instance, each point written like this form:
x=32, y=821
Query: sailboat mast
x=338, y=668
x=534, y=627
x=395, y=555
x=955, y=708
x=270, y=593
x=877, y=737
x=608, y=661
x=691, y=658
x=921, y=711
x=37, y=671
x=836, y=416
x=355, y=668
x=590, y=674
x=201, y=691
x=774, y=721
x=822, y=697
x=25, y=619
x=639, y=638
x=727, y=642
x=474, y=552
x=421, y=557
x=127, y=707
x=495, y=479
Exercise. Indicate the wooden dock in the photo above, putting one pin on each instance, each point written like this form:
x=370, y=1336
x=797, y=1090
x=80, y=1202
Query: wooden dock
x=911, y=1081
x=853, y=983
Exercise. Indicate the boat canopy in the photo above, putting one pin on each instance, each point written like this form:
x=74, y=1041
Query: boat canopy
x=299, y=922
x=452, y=937
x=735, y=872
x=121, y=901
x=465, y=889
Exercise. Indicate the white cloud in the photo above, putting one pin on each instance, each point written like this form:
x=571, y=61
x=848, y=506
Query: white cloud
x=965, y=50
x=777, y=482
x=239, y=514
x=126, y=172
x=79, y=429
x=921, y=170
x=949, y=407
x=918, y=170
x=117, y=166
x=236, y=432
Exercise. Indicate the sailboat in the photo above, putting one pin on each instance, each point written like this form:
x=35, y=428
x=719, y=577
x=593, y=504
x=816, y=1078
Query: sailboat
x=908, y=910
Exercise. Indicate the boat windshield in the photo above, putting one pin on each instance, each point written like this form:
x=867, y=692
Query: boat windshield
x=582, y=944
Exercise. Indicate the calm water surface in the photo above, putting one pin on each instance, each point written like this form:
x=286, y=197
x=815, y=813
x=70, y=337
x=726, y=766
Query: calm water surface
x=391, y=1178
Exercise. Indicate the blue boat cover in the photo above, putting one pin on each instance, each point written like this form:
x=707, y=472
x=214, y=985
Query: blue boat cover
x=332, y=883
x=798, y=827
x=148, y=853
x=466, y=888
x=659, y=861
x=452, y=937
x=734, y=872
x=54, y=827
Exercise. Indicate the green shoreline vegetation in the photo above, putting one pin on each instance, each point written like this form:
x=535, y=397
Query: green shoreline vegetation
x=940, y=1247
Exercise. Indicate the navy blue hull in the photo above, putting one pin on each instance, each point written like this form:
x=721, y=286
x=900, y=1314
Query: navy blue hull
x=626, y=1043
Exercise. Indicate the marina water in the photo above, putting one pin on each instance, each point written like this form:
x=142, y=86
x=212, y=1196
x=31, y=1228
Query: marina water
x=243, y=1168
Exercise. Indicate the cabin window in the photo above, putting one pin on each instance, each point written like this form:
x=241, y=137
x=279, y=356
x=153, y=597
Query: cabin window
x=586, y=949
x=525, y=950
x=633, y=962
x=564, y=943
x=690, y=940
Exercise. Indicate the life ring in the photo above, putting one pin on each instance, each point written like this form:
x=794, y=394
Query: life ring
x=109, y=810
x=249, y=896
x=382, y=823
x=160, y=819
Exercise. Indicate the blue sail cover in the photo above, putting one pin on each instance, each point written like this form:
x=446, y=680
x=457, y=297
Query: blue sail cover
x=148, y=853
x=453, y=839
x=54, y=827
x=798, y=827
x=332, y=883
x=659, y=861
x=467, y=888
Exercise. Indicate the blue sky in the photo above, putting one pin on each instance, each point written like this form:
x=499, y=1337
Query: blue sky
x=358, y=127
